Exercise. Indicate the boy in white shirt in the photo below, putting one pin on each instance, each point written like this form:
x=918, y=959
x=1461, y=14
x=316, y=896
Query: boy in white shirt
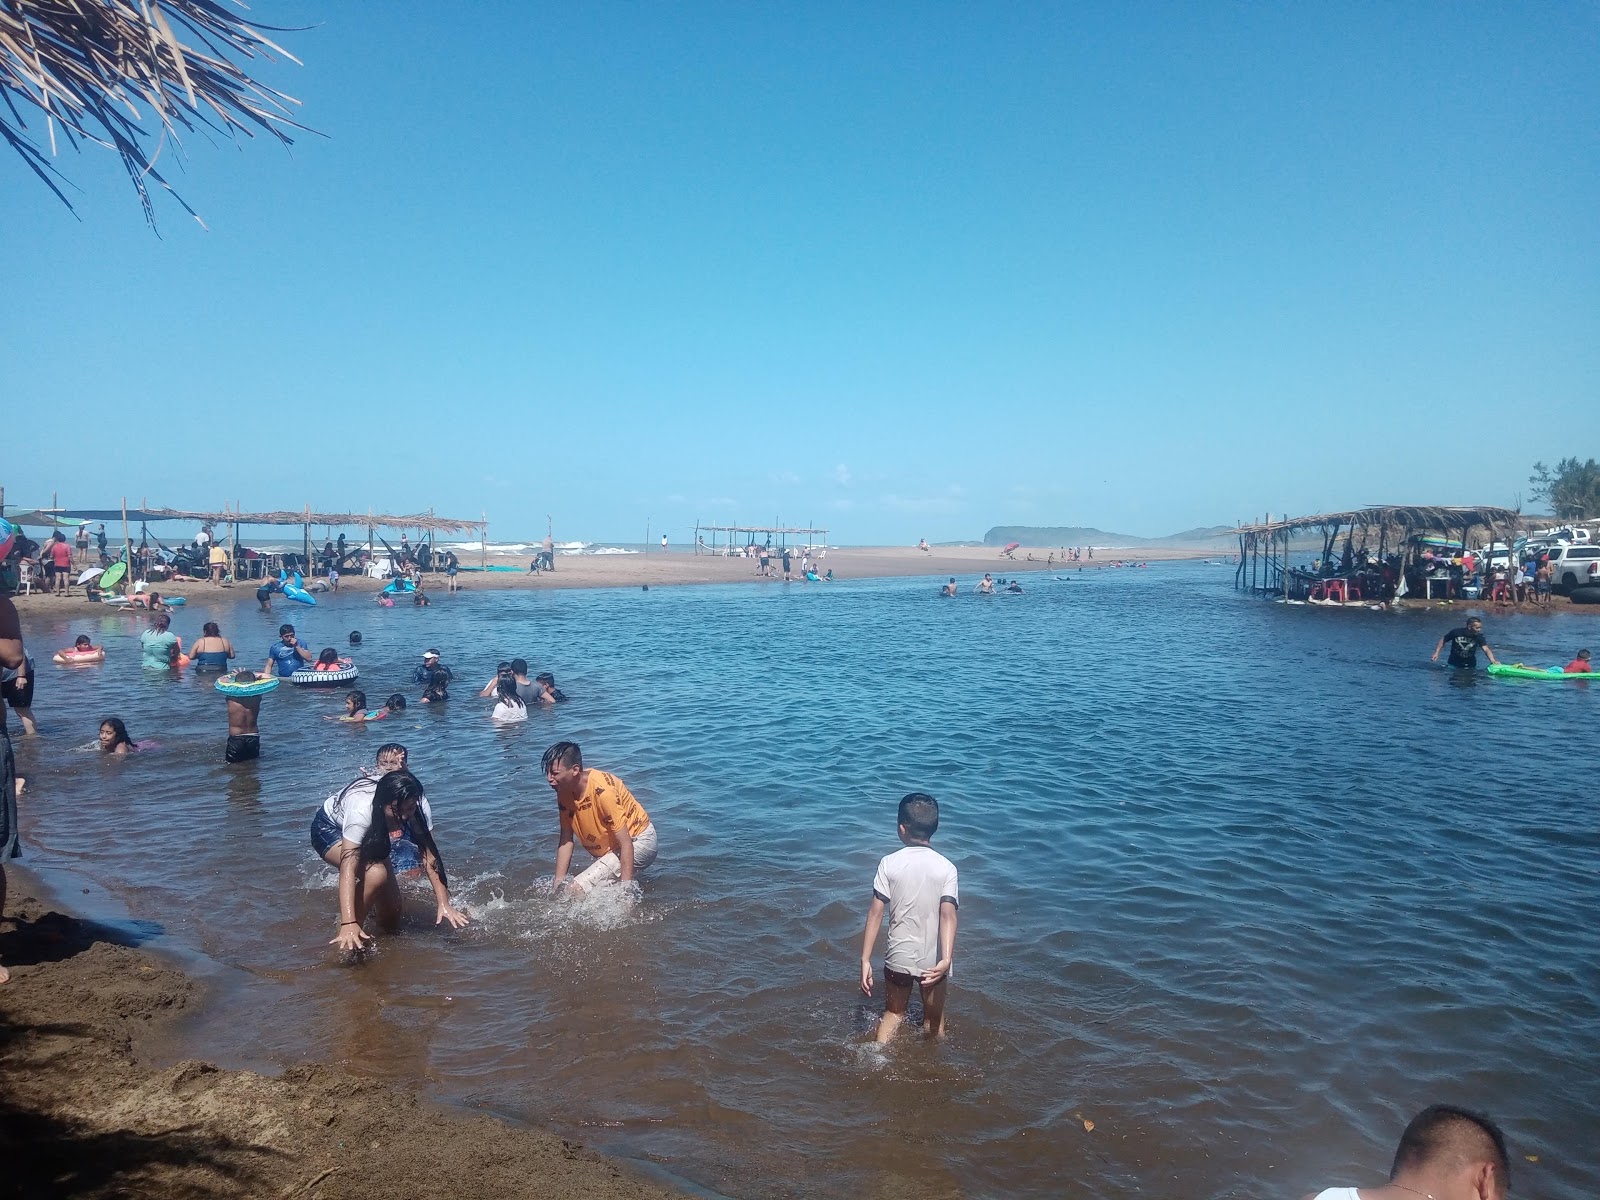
x=918, y=884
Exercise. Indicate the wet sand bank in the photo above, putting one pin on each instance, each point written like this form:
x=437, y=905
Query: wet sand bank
x=84, y=1114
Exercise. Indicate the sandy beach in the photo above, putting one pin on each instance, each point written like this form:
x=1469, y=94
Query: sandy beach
x=85, y=1112
x=966, y=563
x=677, y=569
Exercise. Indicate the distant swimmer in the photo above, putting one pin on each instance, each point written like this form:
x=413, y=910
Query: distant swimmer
x=1465, y=643
x=1014, y=587
x=986, y=585
x=949, y=589
x=597, y=809
x=434, y=677
x=355, y=709
x=1446, y=1153
x=917, y=885
x=1579, y=665
x=264, y=593
x=549, y=693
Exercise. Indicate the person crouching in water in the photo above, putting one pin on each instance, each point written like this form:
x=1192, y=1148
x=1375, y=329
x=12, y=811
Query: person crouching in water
x=598, y=810
x=354, y=831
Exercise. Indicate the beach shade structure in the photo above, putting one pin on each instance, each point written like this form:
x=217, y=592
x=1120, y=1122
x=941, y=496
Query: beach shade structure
x=90, y=573
x=1009, y=547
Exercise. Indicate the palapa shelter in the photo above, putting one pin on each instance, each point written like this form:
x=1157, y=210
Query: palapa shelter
x=750, y=532
x=1375, y=532
x=428, y=524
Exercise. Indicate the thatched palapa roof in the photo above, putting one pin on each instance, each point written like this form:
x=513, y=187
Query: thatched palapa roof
x=1414, y=518
x=424, y=521
x=97, y=69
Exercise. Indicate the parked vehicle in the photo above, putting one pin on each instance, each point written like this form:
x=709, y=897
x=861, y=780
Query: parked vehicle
x=1569, y=565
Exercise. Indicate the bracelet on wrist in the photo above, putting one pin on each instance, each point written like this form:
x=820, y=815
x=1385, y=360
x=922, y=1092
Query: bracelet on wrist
x=342, y=924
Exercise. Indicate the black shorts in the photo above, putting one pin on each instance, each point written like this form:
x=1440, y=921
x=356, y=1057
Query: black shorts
x=899, y=978
x=242, y=747
x=19, y=697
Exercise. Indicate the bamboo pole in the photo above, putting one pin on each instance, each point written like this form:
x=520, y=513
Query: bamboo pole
x=127, y=542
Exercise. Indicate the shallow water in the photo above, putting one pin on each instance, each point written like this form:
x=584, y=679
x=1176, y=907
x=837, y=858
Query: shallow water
x=1244, y=885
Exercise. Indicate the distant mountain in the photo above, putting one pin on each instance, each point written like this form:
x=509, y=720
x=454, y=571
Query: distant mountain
x=1209, y=538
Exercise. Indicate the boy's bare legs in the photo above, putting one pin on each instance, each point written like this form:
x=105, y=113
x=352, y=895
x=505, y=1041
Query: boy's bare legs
x=896, y=999
x=933, y=1007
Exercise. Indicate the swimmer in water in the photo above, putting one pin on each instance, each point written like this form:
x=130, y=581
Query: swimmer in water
x=355, y=637
x=82, y=648
x=355, y=709
x=949, y=589
x=328, y=660
x=396, y=703
x=549, y=693
x=509, y=706
x=353, y=831
x=114, y=737
x=986, y=585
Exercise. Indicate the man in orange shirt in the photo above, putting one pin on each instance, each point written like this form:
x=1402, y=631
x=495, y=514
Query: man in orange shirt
x=598, y=810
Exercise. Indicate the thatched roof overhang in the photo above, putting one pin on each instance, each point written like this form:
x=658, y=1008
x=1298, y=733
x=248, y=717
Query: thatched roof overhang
x=423, y=521
x=1415, y=518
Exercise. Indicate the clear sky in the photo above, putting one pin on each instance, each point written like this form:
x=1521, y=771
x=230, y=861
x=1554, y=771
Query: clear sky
x=902, y=271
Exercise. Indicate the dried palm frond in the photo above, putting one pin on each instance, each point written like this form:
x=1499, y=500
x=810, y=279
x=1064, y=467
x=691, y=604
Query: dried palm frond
x=100, y=68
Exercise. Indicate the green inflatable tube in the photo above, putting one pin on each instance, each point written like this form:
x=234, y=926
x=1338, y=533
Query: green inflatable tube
x=1521, y=672
x=260, y=687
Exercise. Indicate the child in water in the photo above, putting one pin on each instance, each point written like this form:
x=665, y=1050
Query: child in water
x=114, y=737
x=918, y=886
x=1579, y=665
x=328, y=660
x=355, y=709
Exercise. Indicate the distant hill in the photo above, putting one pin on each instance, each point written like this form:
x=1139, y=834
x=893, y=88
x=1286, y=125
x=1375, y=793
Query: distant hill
x=1209, y=538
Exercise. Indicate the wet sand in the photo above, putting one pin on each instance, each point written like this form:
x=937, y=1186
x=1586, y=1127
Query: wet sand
x=83, y=1114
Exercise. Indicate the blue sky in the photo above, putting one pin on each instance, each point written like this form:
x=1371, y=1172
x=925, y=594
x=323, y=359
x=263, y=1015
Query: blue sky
x=902, y=271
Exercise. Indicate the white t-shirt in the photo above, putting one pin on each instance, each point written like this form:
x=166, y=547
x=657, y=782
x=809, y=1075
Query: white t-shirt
x=509, y=712
x=913, y=882
x=351, y=810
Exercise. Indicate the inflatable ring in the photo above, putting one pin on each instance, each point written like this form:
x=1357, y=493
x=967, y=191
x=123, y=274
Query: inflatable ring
x=260, y=687
x=79, y=657
x=310, y=678
x=174, y=601
x=295, y=591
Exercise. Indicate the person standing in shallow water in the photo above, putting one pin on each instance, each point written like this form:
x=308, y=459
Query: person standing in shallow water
x=918, y=886
x=597, y=809
x=12, y=658
x=244, y=730
x=1446, y=1153
x=1465, y=643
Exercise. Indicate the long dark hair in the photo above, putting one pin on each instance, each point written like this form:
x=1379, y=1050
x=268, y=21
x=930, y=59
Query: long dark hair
x=121, y=732
x=506, y=690
x=394, y=789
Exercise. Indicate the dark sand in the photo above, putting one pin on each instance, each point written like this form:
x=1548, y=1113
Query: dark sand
x=83, y=1115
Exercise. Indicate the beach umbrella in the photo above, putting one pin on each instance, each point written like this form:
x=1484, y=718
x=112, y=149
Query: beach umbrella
x=91, y=573
x=1010, y=546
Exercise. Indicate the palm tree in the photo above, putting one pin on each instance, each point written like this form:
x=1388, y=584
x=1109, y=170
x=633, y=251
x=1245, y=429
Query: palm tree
x=98, y=68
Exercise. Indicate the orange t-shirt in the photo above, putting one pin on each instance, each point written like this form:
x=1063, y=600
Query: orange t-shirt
x=605, y=804
x=60, y=554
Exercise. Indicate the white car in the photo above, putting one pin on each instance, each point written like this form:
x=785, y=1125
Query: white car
x=1572, y=566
